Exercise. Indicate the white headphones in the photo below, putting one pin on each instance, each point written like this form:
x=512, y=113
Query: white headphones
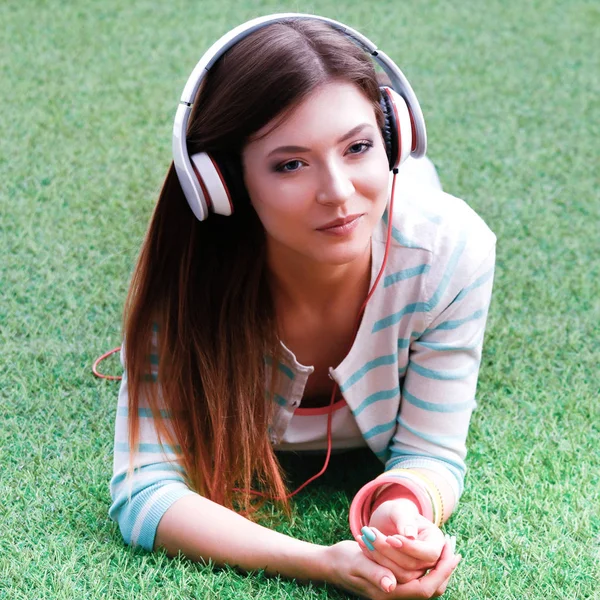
x=202, y=179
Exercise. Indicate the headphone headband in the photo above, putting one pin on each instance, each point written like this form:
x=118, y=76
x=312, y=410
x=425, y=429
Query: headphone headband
x=181, y=157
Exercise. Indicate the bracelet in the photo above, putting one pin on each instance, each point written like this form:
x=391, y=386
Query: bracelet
x=431, y=495
x=433, y=491
x=360, y=509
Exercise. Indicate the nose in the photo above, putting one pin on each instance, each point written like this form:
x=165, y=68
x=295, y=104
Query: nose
x=335, y=185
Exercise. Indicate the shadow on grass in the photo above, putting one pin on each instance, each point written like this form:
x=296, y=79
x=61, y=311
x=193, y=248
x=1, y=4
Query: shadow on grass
x=347, y=471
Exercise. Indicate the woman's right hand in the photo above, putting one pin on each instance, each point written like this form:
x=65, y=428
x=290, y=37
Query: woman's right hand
x=351, y=570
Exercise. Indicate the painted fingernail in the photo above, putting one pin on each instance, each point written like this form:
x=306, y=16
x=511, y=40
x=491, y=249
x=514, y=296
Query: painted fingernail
x=369, y=534
x=368, y=543
x=453, y=540
x=387, y=585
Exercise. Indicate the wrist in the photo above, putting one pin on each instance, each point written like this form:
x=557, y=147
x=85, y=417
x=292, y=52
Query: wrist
x=407, y=506
x=395, y=492
x=329, y=562
x=313, y=563
x=362, y=504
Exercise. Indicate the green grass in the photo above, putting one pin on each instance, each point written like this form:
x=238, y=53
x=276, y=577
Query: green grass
x=510, y=91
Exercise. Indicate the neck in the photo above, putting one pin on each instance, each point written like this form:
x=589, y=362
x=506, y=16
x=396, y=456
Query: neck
x=301, y=284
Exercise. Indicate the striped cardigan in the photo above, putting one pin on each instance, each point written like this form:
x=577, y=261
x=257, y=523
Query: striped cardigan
x=409, y=378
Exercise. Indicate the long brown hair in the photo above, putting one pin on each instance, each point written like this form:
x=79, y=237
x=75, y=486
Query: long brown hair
x=203, y=286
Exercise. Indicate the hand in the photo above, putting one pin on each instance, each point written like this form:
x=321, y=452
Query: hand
x=351, y=570
x=394, y=523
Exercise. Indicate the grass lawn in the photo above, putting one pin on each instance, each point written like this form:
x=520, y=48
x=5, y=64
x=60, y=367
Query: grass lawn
x=510, y=90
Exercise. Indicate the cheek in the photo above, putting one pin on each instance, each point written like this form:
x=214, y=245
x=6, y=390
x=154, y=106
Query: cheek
x=375, y=177
x=277, y=207
x=275, y=199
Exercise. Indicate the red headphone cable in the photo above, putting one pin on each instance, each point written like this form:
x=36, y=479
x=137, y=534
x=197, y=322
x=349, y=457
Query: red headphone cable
x=99, y=360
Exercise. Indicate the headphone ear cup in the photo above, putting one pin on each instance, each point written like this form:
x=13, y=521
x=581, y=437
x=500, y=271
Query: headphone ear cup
x=389, y=129
x=231, y=169
x=212, y=182
x=397, y=129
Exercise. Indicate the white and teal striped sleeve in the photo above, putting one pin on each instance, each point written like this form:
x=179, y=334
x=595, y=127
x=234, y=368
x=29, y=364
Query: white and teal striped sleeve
x=140, y=501
x=438, y=392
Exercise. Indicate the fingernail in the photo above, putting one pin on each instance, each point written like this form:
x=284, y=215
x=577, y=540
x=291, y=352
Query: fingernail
x=369, y=534
x=394, y=542
x=387, y=585
x=453, y=540
x=410, y=531
x=368, y=544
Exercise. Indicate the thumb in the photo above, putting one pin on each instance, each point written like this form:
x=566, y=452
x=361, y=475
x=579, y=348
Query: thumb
x=410, y=531
x=407, y=526
x=387, y=582
x=380, y=576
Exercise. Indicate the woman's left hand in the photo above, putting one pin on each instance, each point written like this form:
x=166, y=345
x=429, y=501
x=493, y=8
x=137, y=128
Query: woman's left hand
x=405, y=542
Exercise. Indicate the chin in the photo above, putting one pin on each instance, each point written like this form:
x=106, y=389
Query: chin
x=343, y=254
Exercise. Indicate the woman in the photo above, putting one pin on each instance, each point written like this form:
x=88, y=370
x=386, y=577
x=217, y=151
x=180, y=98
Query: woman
x=237, y=327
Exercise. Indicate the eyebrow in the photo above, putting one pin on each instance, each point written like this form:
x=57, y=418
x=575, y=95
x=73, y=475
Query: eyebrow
x=351, y=133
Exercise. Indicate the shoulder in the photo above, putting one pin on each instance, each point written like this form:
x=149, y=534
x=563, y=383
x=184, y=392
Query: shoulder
x=429, y=221
x=438, y=236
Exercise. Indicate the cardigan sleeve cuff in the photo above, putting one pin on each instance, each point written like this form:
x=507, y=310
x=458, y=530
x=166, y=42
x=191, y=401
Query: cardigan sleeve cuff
x=139, y=521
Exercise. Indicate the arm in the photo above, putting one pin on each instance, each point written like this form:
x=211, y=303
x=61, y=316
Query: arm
x=398, y=492
x=438, y=397
x=203, y=530
x=438, y=393
x=140, y=499
x=156, y=508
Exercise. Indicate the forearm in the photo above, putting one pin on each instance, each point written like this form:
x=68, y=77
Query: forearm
x=202, y=530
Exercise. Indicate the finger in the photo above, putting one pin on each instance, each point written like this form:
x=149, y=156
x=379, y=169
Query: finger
x=440, y=591
x=440, y=575
x=375, y=541
x=421, y=550
x=379, y=576
x=409, y=531
x=427, y=586
x=402, y=575
x=363, y=588
x=394, y=542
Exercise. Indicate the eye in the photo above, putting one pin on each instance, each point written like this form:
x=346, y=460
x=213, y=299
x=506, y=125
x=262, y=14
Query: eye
x=360, y=147
x=289, y=167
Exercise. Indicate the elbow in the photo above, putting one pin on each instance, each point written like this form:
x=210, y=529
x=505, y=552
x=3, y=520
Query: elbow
x=138, y=514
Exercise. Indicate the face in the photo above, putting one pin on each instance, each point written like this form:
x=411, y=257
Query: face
x=319, y=180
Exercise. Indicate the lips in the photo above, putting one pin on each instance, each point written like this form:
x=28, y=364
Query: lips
x=339, y=222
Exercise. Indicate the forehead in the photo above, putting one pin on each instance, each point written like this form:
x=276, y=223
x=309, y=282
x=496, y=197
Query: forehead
x=326, y=114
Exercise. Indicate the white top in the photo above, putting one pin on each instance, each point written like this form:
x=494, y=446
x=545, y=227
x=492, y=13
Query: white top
x=308, y=430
